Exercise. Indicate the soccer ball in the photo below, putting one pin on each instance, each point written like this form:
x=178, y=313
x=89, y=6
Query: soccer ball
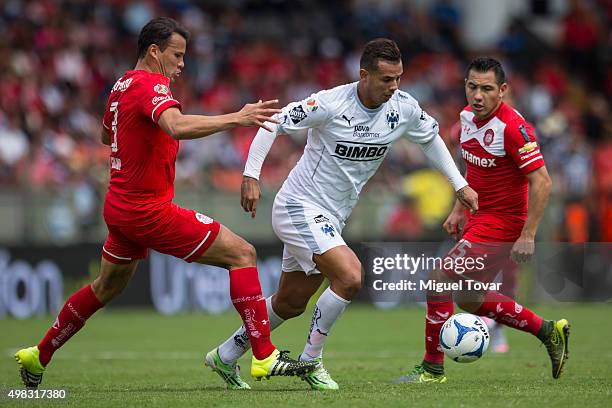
x=464, y=337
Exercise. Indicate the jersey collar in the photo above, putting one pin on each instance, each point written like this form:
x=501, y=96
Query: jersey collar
x=361, y=105
x=481, y=123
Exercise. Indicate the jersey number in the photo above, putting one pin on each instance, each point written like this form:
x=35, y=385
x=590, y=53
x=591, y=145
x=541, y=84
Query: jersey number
x=114, y=108
x=115, y=161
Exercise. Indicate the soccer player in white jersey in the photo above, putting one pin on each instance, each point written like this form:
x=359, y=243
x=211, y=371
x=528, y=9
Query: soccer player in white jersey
x=350, y=130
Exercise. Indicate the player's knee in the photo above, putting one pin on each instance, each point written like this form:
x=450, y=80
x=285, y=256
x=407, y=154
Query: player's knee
x=348, y=285
x=106, y=288
x=469, y=301
x=470, y=307
x=245, y=255
x=289, y=306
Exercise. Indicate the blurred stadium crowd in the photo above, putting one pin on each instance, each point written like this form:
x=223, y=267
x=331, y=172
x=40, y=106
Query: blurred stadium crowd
x=59, y=59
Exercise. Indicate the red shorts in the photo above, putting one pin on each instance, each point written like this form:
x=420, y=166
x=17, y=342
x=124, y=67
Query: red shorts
x=179, y=232
x=487, y=241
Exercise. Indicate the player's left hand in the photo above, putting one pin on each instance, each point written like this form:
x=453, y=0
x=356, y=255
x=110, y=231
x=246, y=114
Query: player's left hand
x=523, y=249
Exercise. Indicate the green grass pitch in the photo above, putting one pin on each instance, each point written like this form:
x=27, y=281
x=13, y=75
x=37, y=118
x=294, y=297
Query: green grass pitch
x=142, y=359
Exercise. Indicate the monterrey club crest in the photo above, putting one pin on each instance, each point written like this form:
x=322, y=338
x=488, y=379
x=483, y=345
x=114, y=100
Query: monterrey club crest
x=488, y=137
x=392, y=118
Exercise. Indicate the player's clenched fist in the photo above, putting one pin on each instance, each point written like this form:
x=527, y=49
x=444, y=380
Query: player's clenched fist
x=249, y=195
x=256, y=114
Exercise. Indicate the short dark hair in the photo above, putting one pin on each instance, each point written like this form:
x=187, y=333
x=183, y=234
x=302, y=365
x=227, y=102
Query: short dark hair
x=158, y=31
x=379, y=49
x=486, y=64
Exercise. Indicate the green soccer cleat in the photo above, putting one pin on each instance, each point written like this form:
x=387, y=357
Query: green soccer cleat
x=230, y=373
x=420, y=376
x=557, y=346
x=319, y=379
x=30, y=368
x=278, y=363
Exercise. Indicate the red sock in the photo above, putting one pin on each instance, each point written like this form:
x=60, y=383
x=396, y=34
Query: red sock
x=77, y=309
x=506, y=311
x=245, y=292
x=439, y=309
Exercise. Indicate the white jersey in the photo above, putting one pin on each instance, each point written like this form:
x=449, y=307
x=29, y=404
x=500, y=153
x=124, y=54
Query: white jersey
x=346, y=143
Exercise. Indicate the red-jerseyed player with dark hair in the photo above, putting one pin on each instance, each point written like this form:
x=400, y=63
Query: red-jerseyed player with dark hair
x=506, y=168
x=143, y=124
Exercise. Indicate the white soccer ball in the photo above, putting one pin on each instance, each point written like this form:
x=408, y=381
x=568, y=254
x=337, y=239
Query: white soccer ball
x=464, y=338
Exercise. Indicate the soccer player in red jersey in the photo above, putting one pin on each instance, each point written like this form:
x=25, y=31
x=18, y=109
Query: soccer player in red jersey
x=506, y=168
x=142, y=125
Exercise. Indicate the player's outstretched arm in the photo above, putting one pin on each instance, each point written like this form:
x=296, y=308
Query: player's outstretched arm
x=437, y=152
x=182, y=127
x=539, y=189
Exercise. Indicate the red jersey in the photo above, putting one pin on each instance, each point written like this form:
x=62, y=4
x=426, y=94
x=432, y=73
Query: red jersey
x=499, y=152
x=142, y=159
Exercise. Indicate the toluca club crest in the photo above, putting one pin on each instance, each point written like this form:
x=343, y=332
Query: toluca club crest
x=488, y=137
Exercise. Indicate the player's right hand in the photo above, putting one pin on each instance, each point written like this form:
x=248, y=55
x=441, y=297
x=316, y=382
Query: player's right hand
x=454, y=223
x=249, y=195
x=469, y=198
x=256, y=114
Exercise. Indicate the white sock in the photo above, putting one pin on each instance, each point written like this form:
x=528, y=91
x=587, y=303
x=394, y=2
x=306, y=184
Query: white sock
x=238, y=343
x=328, y=309
x=491, y=324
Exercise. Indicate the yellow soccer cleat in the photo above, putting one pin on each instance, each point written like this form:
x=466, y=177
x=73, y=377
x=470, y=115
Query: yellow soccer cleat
x=229, y=373
x=279, y=363
x=319, y=379
x=419, y=375
x=30, y=368
x=557, y=346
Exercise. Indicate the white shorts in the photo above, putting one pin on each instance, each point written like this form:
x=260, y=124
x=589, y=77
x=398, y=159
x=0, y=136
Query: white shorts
x=305, y=229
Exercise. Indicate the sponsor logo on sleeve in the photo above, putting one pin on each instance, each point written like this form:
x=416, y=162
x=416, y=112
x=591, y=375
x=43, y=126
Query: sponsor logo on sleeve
x=528, y=148
x=161, y=89
x=297, y=114
x=524, y=133
x=311, y=105
x=122, y=85
x=158, y=99
x=204, y=219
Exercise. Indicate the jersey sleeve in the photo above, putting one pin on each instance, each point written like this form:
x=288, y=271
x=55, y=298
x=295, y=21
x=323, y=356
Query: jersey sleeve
x=522, y=146
x=309, y=113
x=422, y=127
x=156, y=97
